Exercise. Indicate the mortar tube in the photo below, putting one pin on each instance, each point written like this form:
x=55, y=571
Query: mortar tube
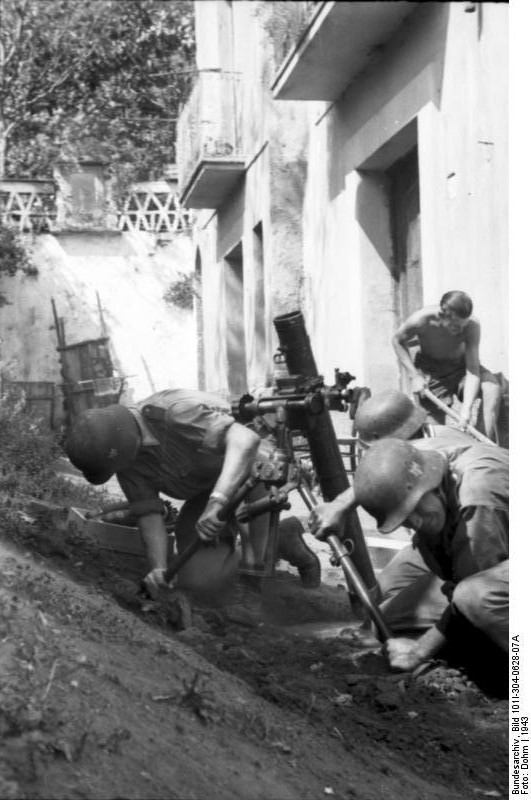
x=324, y=449
x=295, y=344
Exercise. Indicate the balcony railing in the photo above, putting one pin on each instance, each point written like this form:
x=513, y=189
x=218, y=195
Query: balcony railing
x=154, y=206
x=210, y=156
x=291, y=20
x=28, y=205
x=31, y=206
x=332, y=44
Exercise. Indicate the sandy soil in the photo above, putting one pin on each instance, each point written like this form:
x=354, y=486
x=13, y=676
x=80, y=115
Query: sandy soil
x=107, y=696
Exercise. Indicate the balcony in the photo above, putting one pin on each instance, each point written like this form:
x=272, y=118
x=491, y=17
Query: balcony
x=210, y=159
x=337, y=43
x=154, y=206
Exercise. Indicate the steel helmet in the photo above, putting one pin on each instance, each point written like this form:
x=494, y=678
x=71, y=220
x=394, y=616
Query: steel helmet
x=392, y=477
x=103, y=441
x=389, y=413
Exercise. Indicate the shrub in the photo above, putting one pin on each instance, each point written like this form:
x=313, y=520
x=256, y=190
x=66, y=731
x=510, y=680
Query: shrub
x=28, y=461
x=15, y=257
x=181, y=292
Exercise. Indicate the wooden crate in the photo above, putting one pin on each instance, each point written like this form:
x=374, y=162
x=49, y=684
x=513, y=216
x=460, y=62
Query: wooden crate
x=86, y=360
x=108, y=536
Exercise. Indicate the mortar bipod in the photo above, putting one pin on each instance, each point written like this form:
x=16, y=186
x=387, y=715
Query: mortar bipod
x=280, y=475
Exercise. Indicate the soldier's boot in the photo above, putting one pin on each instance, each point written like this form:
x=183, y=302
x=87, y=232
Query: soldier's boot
x=246, y=607
x=293, y=549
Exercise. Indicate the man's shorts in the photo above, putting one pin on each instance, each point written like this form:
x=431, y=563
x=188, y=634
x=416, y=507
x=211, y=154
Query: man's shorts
x=446, y=379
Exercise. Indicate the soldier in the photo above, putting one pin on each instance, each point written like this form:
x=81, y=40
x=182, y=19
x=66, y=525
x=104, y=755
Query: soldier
x=393, y=413
x=388, y=413
x=456, y=503
x=186, y=445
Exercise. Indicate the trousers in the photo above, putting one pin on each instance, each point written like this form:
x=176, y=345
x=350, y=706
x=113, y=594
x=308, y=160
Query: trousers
x=414, y=599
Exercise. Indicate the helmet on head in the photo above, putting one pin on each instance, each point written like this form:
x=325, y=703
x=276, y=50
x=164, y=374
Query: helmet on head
x=389, y=413
x=392, y=477
x=102, y=441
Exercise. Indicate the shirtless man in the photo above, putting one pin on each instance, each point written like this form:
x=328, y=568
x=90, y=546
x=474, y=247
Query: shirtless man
x=447, y=362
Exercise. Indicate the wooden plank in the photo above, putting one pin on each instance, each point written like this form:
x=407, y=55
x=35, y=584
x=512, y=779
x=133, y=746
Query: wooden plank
x=108, y=536
x=102, y=319
x=58, y=329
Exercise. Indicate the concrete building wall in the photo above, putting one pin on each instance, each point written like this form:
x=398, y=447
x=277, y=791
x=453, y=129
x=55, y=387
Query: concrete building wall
x=152, y=343
x=263, y=215
x=443, y=75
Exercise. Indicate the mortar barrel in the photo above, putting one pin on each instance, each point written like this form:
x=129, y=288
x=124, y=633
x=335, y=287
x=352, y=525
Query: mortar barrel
x=295, y=344
x=324, y=448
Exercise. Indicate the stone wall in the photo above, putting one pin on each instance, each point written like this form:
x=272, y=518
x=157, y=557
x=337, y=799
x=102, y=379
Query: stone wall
x=104, y=281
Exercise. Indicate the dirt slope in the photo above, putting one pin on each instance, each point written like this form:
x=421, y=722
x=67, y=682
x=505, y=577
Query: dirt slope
x=104, y=697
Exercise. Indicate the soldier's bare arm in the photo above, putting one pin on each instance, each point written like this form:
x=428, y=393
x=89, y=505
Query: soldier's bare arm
x=241, y=448
x=472, y=379
x=401, y=341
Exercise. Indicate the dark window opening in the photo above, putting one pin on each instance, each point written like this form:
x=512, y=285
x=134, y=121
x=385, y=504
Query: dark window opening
x=234, y=310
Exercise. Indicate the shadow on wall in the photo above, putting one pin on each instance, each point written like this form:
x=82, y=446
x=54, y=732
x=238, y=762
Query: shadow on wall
x=373, y=215
x=396, y=67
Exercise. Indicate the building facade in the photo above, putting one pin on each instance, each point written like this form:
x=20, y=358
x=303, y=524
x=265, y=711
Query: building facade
x=348, y=159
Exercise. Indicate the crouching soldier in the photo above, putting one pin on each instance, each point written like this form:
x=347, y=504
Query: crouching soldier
x=456, y=502
x=186, y=445
x=389, y=413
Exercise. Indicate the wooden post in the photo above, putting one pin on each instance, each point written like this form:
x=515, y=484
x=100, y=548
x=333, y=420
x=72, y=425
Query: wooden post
x=102, y=321
x=59, y=327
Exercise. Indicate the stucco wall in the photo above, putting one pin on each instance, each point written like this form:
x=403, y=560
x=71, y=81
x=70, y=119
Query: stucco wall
x=270, y=195
x=152, y=343
x=446, y=69
x=315, y=182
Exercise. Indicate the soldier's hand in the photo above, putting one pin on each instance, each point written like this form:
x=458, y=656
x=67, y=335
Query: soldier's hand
x=154, y=582
x=464, y=420
x=209, y=525
x=325, y=519
x=403, y=654
x=419, y=383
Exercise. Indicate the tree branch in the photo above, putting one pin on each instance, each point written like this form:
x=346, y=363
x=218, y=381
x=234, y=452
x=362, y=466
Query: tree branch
x=21, y=13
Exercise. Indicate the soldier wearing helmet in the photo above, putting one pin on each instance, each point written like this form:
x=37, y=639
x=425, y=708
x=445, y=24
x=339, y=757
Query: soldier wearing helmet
x=456, y=503
x=393, y=413
x=186, y=445
x=389, y=413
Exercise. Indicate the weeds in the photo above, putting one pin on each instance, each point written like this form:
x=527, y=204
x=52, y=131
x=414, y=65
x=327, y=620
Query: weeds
x=28, y=469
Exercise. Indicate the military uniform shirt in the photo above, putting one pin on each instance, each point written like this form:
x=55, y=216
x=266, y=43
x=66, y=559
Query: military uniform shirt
x=182, y=445
x=476, y=534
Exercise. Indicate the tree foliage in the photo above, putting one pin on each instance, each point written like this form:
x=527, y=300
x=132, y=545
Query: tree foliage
x=97, y=78
x=14, y=258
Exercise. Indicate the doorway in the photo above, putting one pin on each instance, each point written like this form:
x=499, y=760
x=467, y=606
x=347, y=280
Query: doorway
x=235, y=327
x=404, y=206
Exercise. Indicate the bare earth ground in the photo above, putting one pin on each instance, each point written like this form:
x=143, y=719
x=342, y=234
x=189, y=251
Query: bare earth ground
x=104, y=696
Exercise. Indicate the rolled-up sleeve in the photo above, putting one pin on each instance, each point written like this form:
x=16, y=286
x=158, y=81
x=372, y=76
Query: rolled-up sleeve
x=139, y=491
